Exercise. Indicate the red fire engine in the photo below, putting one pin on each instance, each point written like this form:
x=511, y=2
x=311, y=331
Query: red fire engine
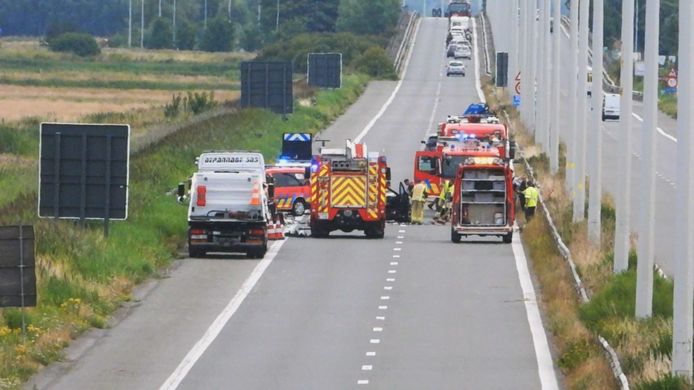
x=348, y=191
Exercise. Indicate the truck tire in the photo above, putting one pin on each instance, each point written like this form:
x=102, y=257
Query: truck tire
x=257, y=253
x=455, y=236
x=299, y=207
x=377, y=230
x=195, y=253
x=318, y=232
x=508, y=238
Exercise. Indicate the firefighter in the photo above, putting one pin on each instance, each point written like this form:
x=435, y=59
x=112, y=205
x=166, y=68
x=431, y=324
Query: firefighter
x=439, y=202
x=532, y=195
x=445, y=200
x=419, y=196
x=519, y=185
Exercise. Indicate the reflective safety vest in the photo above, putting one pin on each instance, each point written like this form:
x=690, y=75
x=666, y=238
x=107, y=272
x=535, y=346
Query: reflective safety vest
x=445, y=190
x=532, y=195
x=419, y=192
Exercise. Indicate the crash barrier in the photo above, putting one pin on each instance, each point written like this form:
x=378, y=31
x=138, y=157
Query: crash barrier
x=485, y=35
x=610, y=353
x=403, y=50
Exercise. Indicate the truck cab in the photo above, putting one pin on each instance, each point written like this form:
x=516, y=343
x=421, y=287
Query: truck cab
x=228, y=210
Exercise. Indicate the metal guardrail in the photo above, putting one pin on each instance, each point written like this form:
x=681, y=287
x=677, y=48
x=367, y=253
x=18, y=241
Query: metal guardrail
x=610, y=353
x=487, y=57
x=399, y=61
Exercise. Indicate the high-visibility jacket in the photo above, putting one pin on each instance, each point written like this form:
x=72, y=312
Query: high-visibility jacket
x=419, y=192
x=445, y=189
x=532, y=195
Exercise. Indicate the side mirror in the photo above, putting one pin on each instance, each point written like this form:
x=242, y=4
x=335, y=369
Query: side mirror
x=388, y=173
x=512, y=150
x=423, y=142
x=307, y=173
x=181, y=192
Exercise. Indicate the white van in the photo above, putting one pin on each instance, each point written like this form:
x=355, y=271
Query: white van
x=611, y=106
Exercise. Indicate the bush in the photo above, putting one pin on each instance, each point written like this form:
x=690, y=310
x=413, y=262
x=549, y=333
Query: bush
x=219, y=35
x=375, y=63
x=200, y=102
x=80, y=44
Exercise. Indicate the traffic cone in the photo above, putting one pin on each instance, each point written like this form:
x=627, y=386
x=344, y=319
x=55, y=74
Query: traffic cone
x=280, y=231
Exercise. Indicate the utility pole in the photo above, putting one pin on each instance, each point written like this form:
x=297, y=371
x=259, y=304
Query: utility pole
x=623, y=230
x=142, y=25
x=174, y=25
x=684, y=221
x=533, y=69
x=541, y=126
x=644, y=270
x=160, y=8
x=580, y=198
x=277, y=20
x=595, y=195
x=130, y=23
x=556, y=90
x=547, y=77
x=205, y=22
x=573, y=102
x=515, y=46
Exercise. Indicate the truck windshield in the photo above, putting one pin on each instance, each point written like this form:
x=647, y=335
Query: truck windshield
x=450, y=166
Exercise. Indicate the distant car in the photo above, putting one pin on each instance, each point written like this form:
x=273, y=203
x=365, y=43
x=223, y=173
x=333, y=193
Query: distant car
x=292, y=191
x=455, y=67
x=463, y=52
x=450, y=52
x=611, y=106
x=459, y=40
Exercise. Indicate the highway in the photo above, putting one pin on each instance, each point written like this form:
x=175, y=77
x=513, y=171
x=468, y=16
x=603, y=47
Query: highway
x=612, y=143
x=410, y=311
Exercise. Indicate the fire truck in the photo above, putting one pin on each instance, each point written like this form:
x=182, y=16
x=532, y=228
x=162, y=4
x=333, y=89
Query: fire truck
x=458, y=8
x=454, y=142
x=483, y=197
x=348, y=191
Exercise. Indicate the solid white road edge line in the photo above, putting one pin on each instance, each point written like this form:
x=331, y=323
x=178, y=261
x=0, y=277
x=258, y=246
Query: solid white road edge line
x=661, y=131
x=545, y=367
x=380, y=113
x=213, y=331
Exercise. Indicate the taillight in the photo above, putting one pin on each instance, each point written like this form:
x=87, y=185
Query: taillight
x=198, y=234
x=256, y=232
x=202, y=196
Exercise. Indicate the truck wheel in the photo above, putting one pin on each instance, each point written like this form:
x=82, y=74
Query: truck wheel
x=257, y=253
x=455, y=236
x=508, y=238
x=375, y=231
x=299, y=208
x=318, y=232
x=195, y=253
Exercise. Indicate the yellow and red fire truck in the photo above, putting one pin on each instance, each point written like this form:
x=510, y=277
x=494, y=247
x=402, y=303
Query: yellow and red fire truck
x=348, y=191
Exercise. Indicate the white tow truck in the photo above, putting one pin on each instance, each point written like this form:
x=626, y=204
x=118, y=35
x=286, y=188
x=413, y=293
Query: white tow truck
x=228, y=210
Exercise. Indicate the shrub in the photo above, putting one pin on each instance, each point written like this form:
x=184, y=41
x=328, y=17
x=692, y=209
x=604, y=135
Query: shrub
x=200, y=102
x=375, y=63
x=172, y=109
x=80, y=44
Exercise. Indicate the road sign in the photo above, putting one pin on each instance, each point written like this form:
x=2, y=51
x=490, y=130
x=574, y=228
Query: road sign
x=83, y=171
x=516, y=100
x=17, y=266
x=672, y=82
x=669, y=91
x=267, y=84
x=517, y=84
x=324, y=70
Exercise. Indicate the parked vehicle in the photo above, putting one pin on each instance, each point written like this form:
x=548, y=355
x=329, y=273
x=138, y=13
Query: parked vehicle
x=292, y=191
x=228, y=210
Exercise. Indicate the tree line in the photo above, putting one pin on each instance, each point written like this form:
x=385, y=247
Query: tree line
x=214, y=25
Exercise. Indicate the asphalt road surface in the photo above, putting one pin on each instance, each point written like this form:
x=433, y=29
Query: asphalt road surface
x=410, y=311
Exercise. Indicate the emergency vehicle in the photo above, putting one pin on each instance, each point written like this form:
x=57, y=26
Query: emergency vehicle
x=348, y=191
x=483, y=197
x=292, y=191
x=454, y=143
x=228, y=210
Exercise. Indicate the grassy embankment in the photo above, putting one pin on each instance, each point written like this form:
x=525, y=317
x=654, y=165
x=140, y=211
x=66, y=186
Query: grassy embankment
x=83, y=277
x=642, y=345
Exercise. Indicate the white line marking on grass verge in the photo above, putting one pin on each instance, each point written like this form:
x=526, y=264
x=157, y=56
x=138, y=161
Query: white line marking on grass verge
x=380, y=113
x=478, y=80
x=548, y=378
x=213, y=331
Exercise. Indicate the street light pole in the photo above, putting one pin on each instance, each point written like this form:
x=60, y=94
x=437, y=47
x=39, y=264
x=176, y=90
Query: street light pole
x=580, y=198
x=573, y=103
x=556, y=90
x=540, y=126
x=142, y=25
x=644, y=270
x=130, y=23
x=684, y=222
x=174, y=24
x=623, y=230
x=595, y=195
x=547, y=77
x=534, y=62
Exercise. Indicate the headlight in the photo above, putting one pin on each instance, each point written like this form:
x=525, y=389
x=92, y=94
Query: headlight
x=347, y=213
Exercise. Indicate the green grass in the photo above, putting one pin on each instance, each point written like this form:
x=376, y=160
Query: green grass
x=118, y=84
x=83, y=277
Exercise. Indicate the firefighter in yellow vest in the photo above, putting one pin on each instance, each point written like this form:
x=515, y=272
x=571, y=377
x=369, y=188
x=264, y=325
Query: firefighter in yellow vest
x=419, y=196
x=532, y=196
